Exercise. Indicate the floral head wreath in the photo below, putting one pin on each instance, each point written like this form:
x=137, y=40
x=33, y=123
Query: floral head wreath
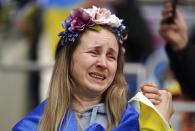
x=80, y=19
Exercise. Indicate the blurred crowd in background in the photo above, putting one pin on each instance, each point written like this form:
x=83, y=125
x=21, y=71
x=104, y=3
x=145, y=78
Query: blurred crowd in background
x=29, y=35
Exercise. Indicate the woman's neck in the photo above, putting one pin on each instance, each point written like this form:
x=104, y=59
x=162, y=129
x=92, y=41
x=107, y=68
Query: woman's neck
x=80, y=102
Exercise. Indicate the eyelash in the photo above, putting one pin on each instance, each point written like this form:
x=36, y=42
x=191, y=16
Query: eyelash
x=93, y=52
x=109, y=55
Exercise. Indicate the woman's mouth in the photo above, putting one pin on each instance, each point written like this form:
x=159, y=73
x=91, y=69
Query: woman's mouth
x=97, y=76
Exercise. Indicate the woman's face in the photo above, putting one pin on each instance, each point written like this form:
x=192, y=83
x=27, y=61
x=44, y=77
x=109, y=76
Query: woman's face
x=94, y=61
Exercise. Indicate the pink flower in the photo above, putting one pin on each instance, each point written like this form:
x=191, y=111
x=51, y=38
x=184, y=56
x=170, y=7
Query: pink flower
x=103, y=16
x=80, y=19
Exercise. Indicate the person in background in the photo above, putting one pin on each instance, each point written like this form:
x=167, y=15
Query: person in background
x=139, y=44
x=180, y=50
x=88, y=87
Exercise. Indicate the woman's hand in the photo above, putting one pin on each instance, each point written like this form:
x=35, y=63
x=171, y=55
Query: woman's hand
x=165, y=107
x=162, y=99
x=152, y=93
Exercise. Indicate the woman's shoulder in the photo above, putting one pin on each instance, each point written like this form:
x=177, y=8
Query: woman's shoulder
x=30, y=122
x=130, y=111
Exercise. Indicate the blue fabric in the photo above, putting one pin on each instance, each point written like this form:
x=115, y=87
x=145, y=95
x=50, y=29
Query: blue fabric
x=30, y=122
x=128, y=122
x=58, y=3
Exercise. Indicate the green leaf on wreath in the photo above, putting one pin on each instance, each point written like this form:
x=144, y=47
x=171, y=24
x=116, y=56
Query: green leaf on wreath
x=96, y=27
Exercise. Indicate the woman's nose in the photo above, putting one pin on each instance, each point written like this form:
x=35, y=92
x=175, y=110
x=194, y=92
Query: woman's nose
x=101, y=62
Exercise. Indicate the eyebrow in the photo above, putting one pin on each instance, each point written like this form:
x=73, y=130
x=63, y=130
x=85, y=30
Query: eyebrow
x=112, y=50
x=98, y=47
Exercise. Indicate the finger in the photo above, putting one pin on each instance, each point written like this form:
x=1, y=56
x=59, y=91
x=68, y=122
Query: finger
x=167, y=8
x=170, y=102
x=172, y=107
x=155, y=102
x=169, y=97
x=178, y=15
x=149, y=84
x=165, y=17
x=166, y=11
x=149, y=89
x=153, y=96
x=167, y=27
x=166, y=95
x=163, y=93
x=168, y=4
x=167, y=89
x=146, y=84
x=179, y=20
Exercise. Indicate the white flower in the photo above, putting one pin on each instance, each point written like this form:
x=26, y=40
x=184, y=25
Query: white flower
x=92, y=11
x=103, y=16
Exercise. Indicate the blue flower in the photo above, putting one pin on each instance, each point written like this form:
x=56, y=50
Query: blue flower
x=119, y=31
x=68, y=37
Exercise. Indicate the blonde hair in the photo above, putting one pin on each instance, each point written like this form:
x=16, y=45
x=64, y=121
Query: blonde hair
x=60, y=91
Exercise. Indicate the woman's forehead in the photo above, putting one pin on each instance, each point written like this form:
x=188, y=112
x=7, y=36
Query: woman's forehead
x=92, y=39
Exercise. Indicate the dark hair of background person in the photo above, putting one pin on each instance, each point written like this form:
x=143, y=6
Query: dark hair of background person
x=139, y=43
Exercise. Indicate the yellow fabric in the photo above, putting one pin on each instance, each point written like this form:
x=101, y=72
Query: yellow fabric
x=150, y=120
x=171, y=129
x=174, y=88
x=52, y=19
